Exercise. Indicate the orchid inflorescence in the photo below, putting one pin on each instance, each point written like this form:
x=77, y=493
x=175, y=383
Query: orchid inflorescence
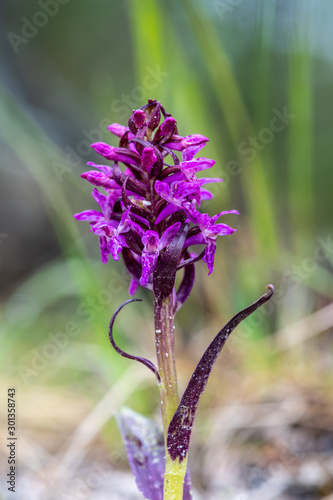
x=150, y=215
x=145, y=206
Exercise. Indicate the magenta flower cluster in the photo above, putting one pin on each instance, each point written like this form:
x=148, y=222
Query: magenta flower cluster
x=145, y=206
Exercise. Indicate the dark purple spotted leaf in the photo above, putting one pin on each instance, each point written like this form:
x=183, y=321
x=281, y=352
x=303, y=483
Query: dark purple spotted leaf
x=144, y=361
x=165, y=272
x=144, y=445
x=180, y=428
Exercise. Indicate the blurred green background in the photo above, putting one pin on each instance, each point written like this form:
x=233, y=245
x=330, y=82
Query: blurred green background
x=256, y=78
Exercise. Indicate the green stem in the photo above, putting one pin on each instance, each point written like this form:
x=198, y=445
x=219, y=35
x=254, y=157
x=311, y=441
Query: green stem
x=174, y=478
x=165, y=349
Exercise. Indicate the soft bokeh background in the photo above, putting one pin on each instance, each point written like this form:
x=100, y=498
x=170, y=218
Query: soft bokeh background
x=228, y=69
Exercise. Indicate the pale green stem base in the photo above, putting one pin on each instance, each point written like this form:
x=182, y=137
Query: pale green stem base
x=165, y=349
x=174, y=479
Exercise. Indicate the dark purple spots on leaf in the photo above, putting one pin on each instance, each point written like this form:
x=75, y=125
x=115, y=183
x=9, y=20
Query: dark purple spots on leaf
x=180, y=428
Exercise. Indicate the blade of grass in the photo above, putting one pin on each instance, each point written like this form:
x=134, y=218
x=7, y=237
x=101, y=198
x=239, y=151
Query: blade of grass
x=301, y=196
x=256, y=187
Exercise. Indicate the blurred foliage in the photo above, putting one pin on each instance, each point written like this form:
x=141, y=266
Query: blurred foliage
x=222, y=72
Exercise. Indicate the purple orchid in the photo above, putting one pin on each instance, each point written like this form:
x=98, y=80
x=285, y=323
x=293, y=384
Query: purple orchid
x=159, y=195
x=153, y=245
x=150, y=215
x=209, y=231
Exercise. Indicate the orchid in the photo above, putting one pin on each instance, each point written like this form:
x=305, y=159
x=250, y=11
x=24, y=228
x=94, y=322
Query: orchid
x=150, y=214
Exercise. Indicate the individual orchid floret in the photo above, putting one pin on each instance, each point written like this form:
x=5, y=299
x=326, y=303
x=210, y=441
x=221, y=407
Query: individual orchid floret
x=191, y=167
x=177, y=195
x=117, y=129
x=114, y=233
x=94, y=218
x=167, y=126
x=148, y=158
x=139, y=118
x=99, y=179
x=91, y=216
x=189, y=145
x=103, y=149
x=116, y=154
x=179, y=143
x=183, y=196
x=209, y=232
x=152, y=246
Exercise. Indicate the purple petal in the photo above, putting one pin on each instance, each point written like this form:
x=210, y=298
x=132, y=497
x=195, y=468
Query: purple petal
x=136, y=227
x=169, y=234
x=139, y=118
x=186, y=188
x=105, y=168
x=144, y=445
x=195, y=140
x=115, y=248
x=133, y=287
x=196, y=165
x=148, y=262
x=169, y=209
x=180, y=428
x=163, y=190
x=151, y=241
x=103, y=149
x=148, y=158
x=91, y=215
x=221, y=230
x=104, y=249
x=175, y=143
x=100, y=198
x=141, y=219
x=190, y=145
x=167, y=126
x=104, y=229
x=98, y=179
x=176, y=177
x=117, y=129
x=198, y=239
x=205, y=194
x=124, y=223
x=116, y=154
x=193, y=144
x=125, y=156
x=208, y=180
x=208, y=257
x=215, y=217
